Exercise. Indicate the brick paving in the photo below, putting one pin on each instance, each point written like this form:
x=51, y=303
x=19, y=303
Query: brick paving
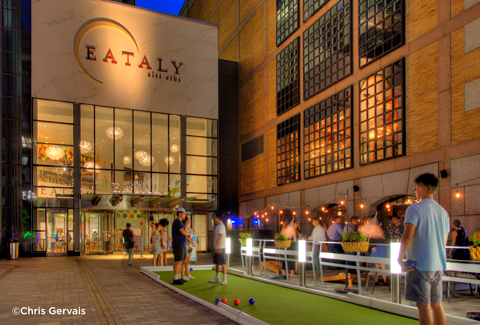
x=110, y=292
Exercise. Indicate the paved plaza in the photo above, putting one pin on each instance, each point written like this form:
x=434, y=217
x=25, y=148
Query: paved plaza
x=111, y=292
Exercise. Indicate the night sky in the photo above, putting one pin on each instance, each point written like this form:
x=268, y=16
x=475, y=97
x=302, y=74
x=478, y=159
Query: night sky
x=168, y=6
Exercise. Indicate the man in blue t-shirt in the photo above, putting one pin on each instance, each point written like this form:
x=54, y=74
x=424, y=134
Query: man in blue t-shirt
x=179, y=245
x=423, y=241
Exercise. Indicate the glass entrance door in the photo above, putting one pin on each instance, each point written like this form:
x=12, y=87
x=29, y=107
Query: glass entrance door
x=56, y=232
x=199, y=227
x=98, y=232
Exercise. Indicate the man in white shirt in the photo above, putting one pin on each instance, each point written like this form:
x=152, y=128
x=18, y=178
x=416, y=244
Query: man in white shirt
x=318, y=234
x=219, y=249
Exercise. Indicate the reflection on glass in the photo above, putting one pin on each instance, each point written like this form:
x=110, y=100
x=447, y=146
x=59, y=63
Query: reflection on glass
x=175, y=185
x=160, y=142
x=53, y=133
x=103, y=182
x=142, y=183
x=288, y=77
x=142, y=153
x=53, y=176
x=53, y=111
x=173, y=160
x=56, y=232
x=287, y=19
x=39, y=230
x=201, y=165
x=124, y=181
x=201, y=184
x=201, y=146
x=201, y=202
x=123, y=146
x=201, y=127
x=288, y=150
x=103, y=143
x=160, y=184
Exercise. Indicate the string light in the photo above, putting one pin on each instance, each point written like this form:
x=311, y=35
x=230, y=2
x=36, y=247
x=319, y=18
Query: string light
x=281, y=211
x=388, y=206
x=339, y=213
x=281, y=222
x=306, y=212
x=266, y=220
x=294, y=213
x=266, y=213
x=342, y=202
x=362, y=206
x=263, y=216
x=457, y=194
x=309, y=219
x=273, y=207
x=255, y=213
x=323, y=208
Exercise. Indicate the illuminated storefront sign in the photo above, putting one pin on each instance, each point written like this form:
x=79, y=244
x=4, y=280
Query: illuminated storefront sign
x=127, y=56
x=104, y=53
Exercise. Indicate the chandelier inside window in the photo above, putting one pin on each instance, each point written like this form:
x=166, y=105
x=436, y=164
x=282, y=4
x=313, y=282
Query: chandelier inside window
x=85, y=147
x=55, y=152
x=118, y=132
x=174, y=148
x=127, y=160
x=91, y=164
x=140, y=154
x=169, y=160
x=146, y=160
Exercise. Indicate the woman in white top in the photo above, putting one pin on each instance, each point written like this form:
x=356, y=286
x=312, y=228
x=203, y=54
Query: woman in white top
x=188, y=228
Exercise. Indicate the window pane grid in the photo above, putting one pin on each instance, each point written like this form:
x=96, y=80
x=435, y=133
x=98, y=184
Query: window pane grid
x=288, y=151
x=327, y=135
x=310, y=7
x=382, y=113
x=287, y=19
x=327, y=49
x=381, y=28
x=288, y=77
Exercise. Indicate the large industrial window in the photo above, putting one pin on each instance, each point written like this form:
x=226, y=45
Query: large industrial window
x=382, y=112
x=327, y=49
x=287, y=19
x=288, y=150
x=288, y=77
x=327, y=135
x=310, y=7
x=381, y=28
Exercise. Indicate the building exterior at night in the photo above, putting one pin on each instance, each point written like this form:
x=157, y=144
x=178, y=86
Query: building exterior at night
x=110, y=115
x=348, y=101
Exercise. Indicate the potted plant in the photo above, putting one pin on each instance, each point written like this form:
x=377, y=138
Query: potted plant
x=281, y=241
x=475, y=248
x=354, y=242
x=243, y=237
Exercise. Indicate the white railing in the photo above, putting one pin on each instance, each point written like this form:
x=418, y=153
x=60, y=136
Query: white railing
x=264, y=250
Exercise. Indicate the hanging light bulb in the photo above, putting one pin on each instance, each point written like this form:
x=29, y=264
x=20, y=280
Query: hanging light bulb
x=342, y=202
x=388, y=206
x=339, y=213
x=457, y=194
x=281, y=222
x=309, y=219
x=306, y=212
x=266, y=213
x=281, y=211
x=362, y=205
x=323, y=208
x=266, y=220
x=272, y=207
x=255, y=213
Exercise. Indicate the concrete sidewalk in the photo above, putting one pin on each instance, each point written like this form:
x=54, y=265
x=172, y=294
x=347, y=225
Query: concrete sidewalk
x=107, y=289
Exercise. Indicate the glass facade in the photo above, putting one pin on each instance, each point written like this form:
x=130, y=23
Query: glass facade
x=327, y=49
x=288, y=151
x=16, y=152
x=288, y=77
x=382, y=111
x=381, y=28
x=287, y=19
x=310, y=7
x=328, y=135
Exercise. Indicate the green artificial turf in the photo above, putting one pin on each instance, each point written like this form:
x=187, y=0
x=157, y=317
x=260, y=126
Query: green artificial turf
x=279, y=305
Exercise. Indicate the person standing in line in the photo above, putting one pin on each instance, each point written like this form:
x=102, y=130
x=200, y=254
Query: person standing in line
x=128, y=242
x=157, y=244
x=186, y=268
x=352, y=226
x=459, y=238
x=164, y=224
x=179, y=236
x=219, y=249
x=318, y=234
x=424, y=241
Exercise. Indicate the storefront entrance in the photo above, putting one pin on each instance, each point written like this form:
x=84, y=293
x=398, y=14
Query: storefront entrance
x=59, y=232
x=97, y=232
